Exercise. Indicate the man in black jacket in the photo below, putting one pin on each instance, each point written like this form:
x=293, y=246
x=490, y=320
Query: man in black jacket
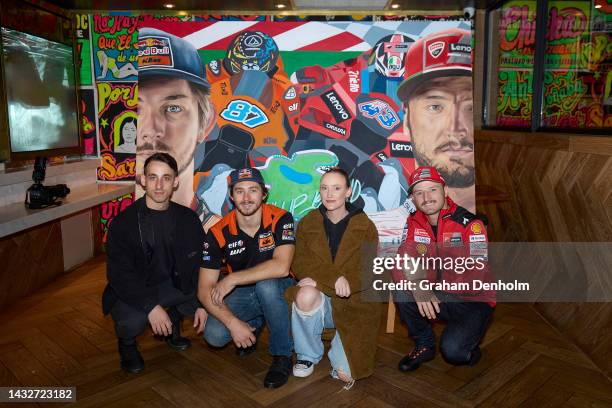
x=153, y=249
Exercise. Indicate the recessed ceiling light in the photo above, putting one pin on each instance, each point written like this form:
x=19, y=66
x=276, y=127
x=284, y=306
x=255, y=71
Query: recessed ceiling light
x=280, y=6
x=395, y=6
x=169, y=5
x=598, y=6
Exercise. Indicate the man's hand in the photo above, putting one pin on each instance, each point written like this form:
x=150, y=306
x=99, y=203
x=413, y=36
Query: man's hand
x=199, y=319
x=160, y=321
x=307, y=282
x=221, y=289
x=242, y=333
x=429, y=308
x=343, y=289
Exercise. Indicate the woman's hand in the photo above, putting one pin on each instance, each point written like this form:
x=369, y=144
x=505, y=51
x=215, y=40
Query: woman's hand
x=343, y=289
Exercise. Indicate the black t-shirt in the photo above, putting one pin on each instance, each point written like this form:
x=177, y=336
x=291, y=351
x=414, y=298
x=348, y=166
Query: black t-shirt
x=158, y=238
x=335, y=232
x=227, y=245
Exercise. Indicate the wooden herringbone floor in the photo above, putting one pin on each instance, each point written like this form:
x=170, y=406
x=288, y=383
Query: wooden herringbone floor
x=59, y=337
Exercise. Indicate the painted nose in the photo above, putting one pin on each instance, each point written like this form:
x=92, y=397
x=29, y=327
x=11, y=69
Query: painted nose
x=150, y=126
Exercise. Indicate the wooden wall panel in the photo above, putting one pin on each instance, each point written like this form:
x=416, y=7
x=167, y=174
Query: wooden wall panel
x=552, y=188
x=29, y=259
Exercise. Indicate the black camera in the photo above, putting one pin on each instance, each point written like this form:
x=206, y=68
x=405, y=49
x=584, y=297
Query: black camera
x=39, y=196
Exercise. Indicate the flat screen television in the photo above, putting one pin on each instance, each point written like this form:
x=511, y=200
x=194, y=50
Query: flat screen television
x=41, y=100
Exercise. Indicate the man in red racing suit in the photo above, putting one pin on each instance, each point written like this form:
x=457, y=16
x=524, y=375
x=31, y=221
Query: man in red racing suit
x=451, y=244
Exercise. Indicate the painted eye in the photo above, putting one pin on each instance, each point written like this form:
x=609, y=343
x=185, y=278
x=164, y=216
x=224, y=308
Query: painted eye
x=173, y=109
x=434, y=108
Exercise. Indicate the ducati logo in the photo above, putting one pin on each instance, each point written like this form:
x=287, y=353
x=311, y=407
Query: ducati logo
x=435, y=49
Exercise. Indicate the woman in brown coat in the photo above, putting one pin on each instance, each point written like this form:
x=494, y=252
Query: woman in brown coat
x=335, y=247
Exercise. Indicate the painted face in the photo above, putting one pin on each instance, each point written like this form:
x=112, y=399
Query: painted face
x=129, y=132
x=334, y=191
x=159, y=182
x=429, y=197
x=167, y=122
x=442, y=128
x=248, y=197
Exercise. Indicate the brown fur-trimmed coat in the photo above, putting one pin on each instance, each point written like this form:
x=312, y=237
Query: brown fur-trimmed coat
x=357, y=322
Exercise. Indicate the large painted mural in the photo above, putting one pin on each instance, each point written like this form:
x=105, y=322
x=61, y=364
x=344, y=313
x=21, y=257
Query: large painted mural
x=296, y=97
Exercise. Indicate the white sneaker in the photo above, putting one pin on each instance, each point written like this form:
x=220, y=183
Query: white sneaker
x=303, y=368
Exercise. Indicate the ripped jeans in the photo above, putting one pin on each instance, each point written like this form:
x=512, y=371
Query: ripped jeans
x=307, y=328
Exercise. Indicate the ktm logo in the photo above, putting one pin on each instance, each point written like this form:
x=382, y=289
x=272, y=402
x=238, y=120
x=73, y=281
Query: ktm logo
x=266, y=241
x=435, y=49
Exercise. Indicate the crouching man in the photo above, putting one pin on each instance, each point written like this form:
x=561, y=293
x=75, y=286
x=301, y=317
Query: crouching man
x=153, y=249
x=438, y=231
x=255, y=243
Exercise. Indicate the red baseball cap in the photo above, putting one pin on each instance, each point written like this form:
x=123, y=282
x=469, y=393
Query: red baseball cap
x=441, y=54
x=424, y=173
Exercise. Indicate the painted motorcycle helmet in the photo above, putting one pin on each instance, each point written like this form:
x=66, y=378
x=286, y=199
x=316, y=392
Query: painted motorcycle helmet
x=389, y=55
x=251, y=50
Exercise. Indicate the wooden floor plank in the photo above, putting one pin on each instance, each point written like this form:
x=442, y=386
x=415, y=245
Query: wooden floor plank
x=583, y=401
x=318, y=388
x=59, y=336
x=69, y=340
x=52, y=356
x=496, y=376
x=217, y=391
x=371, y=402
x=27, y=369
x=520, y=387
x=86, y=328
x=182, y=395
x=147, y=398
x=123, y=390
x=425, y=387
x=548, y=395
x=391, y=394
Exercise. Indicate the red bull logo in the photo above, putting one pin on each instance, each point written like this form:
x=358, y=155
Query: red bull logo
x=154, y=51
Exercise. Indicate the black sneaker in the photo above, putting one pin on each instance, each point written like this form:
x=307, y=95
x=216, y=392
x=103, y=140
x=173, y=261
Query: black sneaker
x=279, y=371
x=131, y=360
x=245, y=351
x=475, y=356
x=242, y=352
x=175, y=340
x=416, y=357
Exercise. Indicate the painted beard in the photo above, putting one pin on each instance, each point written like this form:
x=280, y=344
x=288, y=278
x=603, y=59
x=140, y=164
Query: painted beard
x=461, y=176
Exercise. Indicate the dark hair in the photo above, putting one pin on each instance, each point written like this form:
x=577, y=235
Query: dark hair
x=164, y=158
x=340, y=171
x=124, y=124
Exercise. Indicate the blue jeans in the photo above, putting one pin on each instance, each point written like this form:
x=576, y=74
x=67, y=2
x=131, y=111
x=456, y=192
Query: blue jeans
x=466, y=323
x=307, y=328
x=256, y=304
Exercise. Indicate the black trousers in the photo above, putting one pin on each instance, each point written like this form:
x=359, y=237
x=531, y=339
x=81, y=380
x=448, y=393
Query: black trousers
x=466, y=323
x=131, y=322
